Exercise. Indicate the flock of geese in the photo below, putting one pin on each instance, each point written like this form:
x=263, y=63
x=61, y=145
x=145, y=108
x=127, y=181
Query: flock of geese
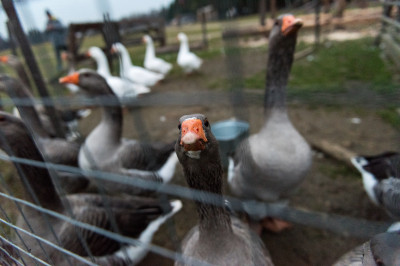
x=267, y=166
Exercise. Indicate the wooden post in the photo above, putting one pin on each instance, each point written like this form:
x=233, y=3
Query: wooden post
x=263, y=8
x=273, y=8
x=204, y=28
x=317, y=22
x=387, y=10
x=30, y=60
x=161, y=32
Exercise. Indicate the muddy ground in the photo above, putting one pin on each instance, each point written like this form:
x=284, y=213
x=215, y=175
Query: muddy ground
x=330, y=186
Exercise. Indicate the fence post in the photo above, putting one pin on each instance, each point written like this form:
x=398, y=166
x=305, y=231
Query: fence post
x=317, y=22
x=204, y=28
x=263, y=8
x=387, y=9
x=16, y=28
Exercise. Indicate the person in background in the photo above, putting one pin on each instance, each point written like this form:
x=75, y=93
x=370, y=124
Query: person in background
x=56, y=32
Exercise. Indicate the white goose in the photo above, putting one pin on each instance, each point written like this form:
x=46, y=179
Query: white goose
x=187, y=60
x=121, y=87
x=134, y=73
x=152, y=62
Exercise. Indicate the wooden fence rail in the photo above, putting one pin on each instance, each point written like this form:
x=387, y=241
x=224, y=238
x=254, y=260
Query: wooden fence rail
x=389, y=36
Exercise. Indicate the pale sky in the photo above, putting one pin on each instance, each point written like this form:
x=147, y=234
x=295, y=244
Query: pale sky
x=32, y=12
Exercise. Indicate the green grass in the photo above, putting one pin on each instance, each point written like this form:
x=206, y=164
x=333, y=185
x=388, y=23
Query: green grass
x=391, y=116
x=336, y=170
x=340, y=62
x=333, y=66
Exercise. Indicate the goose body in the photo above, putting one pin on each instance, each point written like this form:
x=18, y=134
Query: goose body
x=105, y=149
x=219, y=238
x=153, y=63
x=382, y=249
x=132, y=214
x=381, y=180
x=187, y=60
x=68, y=117
x=270, y=164
x=134, y=73
x=121, y=87
x=55, y=150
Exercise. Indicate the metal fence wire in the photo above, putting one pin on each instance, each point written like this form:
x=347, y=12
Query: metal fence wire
x=30, y=223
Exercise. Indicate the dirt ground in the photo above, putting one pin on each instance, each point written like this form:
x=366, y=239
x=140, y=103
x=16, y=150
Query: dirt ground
x=330, y=187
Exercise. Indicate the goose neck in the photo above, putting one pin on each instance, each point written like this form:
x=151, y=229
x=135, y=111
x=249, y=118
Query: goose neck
x=213, y=218
x=150, y=52
x=35, y=179
x=102, y=65
x=280, y=61
x=125, y=57
x=184, y=47
x=112, y=118
x=23, y=100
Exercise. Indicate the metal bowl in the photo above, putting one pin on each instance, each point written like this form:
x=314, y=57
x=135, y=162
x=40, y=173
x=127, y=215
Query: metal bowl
x=229, y=134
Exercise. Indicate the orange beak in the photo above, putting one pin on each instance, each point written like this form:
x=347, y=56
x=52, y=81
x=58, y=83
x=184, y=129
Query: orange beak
x=113, y=50
x=87, y=54
x=143, y=40
x=73, y=78
x=193, y=136
x=291, y=24
x=4, y=59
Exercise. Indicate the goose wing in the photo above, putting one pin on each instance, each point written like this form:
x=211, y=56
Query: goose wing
x=143, y=155
x=383, y=165
x=131, y=216
x=386, y=248
x=388, y=194
x=60, y=151
x=360, y=255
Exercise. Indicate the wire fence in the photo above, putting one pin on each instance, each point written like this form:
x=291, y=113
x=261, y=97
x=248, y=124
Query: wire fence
x=14, y=250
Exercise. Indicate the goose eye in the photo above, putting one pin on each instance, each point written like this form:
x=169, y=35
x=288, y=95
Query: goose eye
x=206, y=123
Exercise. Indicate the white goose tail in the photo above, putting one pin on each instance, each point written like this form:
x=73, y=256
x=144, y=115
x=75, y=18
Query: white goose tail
x=167, y=171
x=135, y=254
x=231, y=169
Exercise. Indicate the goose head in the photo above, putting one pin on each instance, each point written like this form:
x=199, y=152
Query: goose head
x=94, y=52
x=195, y=138
x=89, y=81
x=182, y=37
x=286, y=26
x=147, y=39
x=117, y=48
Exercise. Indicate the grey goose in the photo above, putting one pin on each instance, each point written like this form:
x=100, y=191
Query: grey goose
x=136, y=217
x=105, y=149
x=219, y=238
x=270, y=164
